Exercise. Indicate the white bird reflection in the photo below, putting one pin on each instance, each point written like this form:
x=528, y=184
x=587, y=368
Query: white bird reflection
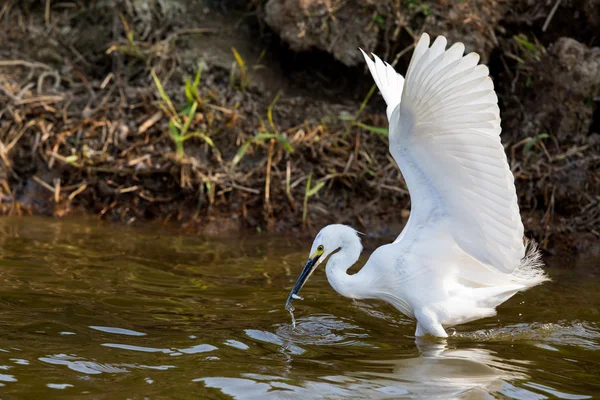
x=443, y=373
x=437, y=373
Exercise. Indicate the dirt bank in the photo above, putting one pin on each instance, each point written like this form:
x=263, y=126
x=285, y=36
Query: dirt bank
x=273, y=135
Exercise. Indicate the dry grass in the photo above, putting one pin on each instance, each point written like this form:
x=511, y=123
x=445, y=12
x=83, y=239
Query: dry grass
x=133, y=146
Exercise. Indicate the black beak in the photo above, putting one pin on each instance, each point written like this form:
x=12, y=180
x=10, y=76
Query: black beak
x=309, y=268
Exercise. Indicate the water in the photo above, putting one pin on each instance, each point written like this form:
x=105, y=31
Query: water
x=90, y=310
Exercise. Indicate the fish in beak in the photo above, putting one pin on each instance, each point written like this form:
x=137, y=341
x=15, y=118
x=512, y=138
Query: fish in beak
x=309, y=268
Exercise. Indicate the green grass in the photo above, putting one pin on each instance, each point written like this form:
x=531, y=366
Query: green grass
x=529, y=51
x=191, y=88
x=244, y=77
x=419, y=6
x=261, y=137
x=353, y=119
x=180, y=122
x=309, y=191
x=533, y=141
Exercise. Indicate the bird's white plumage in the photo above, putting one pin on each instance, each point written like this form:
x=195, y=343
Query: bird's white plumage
x=462, y=252
x=449, y=115
x=389, y=82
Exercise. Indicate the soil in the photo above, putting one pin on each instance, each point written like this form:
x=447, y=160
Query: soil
x=84, y=129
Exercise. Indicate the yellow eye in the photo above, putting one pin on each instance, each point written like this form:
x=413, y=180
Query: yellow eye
x=320, y=248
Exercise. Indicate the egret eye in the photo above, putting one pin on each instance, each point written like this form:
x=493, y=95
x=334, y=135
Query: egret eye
x=320, y=248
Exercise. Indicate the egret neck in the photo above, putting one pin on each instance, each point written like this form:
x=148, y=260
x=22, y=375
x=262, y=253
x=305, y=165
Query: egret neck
x=352, y=286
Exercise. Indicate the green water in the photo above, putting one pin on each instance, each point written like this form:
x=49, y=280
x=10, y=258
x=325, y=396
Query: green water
x=100, y=311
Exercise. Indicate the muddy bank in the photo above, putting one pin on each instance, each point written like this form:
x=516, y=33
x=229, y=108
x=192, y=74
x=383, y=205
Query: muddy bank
x=272, y=136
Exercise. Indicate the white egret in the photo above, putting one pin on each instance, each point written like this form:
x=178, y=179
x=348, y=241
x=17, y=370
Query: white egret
x=462, y=252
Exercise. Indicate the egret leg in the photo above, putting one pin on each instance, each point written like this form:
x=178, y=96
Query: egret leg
x=420, y=331
x=429, y=323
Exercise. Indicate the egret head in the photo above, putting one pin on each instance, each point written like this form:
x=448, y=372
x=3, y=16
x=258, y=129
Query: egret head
x=329, y=240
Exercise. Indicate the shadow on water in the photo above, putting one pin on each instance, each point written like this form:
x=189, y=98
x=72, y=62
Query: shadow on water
x=110, y=311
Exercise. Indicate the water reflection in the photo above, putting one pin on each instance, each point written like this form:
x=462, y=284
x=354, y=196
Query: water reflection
x=438, y=372
x=442, y=372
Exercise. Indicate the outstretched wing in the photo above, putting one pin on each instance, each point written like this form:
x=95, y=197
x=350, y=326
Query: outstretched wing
x=444, y=135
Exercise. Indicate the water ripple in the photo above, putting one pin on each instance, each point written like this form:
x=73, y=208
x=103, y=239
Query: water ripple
x=93, y=368
x=271, y=338
x=582, y=334
x=60, y=386
x=200, y=348
x=323, y=330
x=117, y=331
x=237, y=344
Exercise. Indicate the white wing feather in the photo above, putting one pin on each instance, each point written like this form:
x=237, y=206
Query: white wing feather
x=444, y=135
x=389, y=82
